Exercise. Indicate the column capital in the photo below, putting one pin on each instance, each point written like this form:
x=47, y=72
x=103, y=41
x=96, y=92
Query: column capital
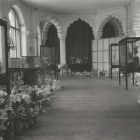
x=97, y=36
x=62, y=36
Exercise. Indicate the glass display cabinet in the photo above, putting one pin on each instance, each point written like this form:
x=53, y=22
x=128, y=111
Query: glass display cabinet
x=128, y=57
x=4, y=82
x=2, y=48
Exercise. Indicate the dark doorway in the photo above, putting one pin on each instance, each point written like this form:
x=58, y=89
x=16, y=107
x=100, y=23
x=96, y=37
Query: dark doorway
x=79, y=43
x=53, y=45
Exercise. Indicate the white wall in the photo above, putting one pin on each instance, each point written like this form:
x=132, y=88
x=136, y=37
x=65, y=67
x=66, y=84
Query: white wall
x=94, y=20
x=33, y=16
x=136, y=18
x=118, y=13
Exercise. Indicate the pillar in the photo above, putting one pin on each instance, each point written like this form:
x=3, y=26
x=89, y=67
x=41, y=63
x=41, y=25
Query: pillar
x=62, y=50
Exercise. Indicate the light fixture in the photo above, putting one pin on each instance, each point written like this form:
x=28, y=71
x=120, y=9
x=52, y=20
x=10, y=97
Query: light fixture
x=11, y=44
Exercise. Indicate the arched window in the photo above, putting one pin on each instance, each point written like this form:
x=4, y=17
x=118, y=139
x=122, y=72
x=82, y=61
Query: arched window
x=14, y=35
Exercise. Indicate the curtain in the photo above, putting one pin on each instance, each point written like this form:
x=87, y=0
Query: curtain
x=78, y=41
x=108, y=31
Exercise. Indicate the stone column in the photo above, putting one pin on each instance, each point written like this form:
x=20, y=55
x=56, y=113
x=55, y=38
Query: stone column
x=62, y=50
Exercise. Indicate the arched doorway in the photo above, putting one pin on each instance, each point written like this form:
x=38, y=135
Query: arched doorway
x=52, y=46
x=79, y=45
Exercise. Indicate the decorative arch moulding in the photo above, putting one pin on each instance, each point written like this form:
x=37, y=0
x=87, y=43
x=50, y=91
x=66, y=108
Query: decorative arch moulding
x=20, y=14
x=84, y=20
x=115, y=21
x=50, y=21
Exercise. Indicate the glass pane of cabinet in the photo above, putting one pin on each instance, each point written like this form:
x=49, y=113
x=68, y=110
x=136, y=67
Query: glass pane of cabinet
x=3, y=53
x=2, y=50
x=4, y=76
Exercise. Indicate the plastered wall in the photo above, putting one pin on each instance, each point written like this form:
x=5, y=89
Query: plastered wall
x=33, y=16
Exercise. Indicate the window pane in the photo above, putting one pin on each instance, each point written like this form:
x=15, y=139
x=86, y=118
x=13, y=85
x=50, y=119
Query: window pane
x=106, y=56
x=12, y=18
x=94, y=57
x=100, y=55
x=14, y=35
x=2, y=51
x=18, y=43
x=106, y=44
x=95, y=66
x=100, y=44
x=94, y=45
x=100, y=66
x=17, y=23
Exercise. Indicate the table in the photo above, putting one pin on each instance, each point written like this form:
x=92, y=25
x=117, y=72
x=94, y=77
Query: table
x=80, y=67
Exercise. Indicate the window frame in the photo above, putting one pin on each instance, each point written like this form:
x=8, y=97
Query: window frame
x=15, y=30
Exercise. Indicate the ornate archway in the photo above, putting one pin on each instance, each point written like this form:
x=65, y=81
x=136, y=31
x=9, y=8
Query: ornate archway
x=115, y=23
x=79, y=43
x=50, y=39
x=88, y=20
x=46, y=26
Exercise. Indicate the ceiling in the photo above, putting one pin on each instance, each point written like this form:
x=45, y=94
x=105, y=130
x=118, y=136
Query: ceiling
x=75, y=6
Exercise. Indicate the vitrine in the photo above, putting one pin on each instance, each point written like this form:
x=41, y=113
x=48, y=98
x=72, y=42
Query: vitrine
x=4, y=80
x=128, y=56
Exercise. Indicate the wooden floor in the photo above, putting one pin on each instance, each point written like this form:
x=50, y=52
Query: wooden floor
x=90, y=109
